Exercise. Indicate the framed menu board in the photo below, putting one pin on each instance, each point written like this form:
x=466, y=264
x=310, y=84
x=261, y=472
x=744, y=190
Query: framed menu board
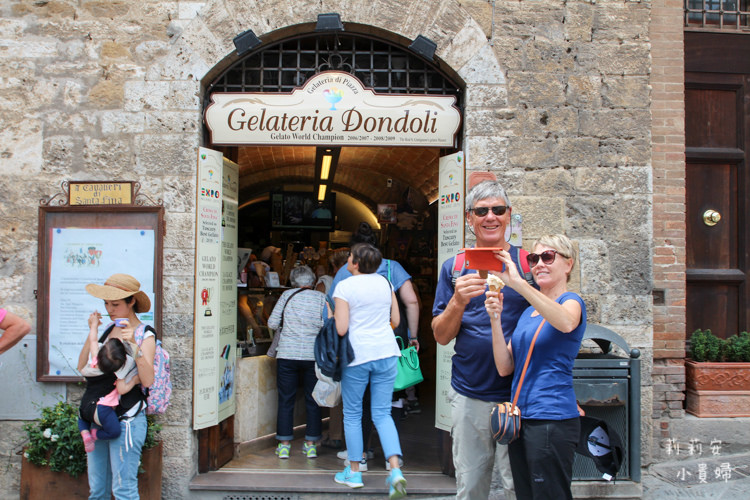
x=87, y=244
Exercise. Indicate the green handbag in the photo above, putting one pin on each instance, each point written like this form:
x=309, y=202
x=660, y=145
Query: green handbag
x=409, y=373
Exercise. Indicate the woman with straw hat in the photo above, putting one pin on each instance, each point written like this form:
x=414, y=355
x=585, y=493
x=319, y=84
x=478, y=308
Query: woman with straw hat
x=113, y=465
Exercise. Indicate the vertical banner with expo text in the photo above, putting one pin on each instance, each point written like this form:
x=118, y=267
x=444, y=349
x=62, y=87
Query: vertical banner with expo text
x=228, y=321
x=450, y=241
x=215, y=303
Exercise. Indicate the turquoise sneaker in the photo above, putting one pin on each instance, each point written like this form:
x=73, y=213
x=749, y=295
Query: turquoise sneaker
x=282, y=450
x=396, y=484
x=349, y=478
x=310, y=450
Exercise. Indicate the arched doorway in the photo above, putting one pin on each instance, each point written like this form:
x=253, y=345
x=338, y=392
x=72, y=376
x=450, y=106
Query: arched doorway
x=404, y=177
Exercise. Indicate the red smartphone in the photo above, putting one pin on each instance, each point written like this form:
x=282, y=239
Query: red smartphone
x=483, y=259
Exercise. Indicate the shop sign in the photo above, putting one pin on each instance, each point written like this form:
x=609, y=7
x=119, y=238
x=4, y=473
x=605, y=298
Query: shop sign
x=332, y=108
x=215, y=290
x=451, y=222
x=101, y=193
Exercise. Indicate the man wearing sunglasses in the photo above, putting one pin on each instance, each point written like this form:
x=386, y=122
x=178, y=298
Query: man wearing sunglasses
x=459, y=313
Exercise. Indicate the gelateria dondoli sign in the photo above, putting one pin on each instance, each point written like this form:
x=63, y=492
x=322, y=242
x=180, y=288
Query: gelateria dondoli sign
x=332, y=108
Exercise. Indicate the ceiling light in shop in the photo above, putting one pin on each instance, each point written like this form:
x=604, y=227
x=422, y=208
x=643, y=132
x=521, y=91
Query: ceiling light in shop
x=325, y=167
x=322, y=192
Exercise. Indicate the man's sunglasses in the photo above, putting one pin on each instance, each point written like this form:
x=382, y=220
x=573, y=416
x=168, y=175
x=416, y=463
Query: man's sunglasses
x=548, y=257
x=483, y=211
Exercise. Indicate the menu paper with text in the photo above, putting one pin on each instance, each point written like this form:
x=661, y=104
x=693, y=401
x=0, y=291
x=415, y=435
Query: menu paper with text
x=80, y=256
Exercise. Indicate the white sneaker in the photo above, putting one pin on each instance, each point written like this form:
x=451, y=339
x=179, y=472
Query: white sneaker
x=342, y=455
x=362, y=464
x=400, y=464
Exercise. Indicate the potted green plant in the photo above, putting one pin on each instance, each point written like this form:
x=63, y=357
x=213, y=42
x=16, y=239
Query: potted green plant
x=54, y=461
x=717, y=375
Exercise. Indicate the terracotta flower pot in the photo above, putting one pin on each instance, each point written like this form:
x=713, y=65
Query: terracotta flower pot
x=718, y=389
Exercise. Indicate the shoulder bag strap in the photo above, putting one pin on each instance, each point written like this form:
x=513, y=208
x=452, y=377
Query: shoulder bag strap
x=526, y=364
x=106, y=333
x=281, y=321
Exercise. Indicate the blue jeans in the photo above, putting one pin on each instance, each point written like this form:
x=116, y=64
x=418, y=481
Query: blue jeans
x=380, y=374
x=110, y=428
x=289, y=372
x=113, y=469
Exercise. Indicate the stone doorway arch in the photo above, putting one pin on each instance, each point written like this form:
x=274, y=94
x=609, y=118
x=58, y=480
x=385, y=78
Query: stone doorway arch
x=203, y=47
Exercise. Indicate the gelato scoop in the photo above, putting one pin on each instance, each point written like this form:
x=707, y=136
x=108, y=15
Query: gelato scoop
x=495, y=283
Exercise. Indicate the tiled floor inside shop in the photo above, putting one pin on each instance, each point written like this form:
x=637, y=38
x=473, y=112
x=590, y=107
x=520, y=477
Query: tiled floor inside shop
x=259, y=469
x=419, y=443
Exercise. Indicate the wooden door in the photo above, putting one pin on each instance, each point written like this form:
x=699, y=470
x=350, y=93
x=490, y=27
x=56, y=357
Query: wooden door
x=717, y=119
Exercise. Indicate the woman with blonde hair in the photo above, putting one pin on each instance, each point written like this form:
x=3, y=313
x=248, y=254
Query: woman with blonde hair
x=542, y=458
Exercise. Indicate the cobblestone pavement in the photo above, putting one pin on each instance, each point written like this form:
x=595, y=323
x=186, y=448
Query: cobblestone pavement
x=722, y=477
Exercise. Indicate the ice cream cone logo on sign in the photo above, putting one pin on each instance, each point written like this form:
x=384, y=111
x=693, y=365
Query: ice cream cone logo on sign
x=333, y=95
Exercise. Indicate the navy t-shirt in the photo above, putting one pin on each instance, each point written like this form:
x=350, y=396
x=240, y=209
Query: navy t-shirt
x=474, y=373
x=547, y=392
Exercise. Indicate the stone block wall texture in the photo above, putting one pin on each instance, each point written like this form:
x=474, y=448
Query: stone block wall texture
x=560, y=104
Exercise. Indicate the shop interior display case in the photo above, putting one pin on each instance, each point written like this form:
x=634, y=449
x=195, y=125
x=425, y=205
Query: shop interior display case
x=254, y=306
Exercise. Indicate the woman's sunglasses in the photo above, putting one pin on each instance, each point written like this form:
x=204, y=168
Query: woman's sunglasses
x=548, y=257
x=483, y=211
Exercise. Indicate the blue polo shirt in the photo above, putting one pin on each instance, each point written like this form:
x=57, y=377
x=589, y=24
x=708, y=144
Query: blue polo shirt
x=547, y=392
x=474, y=373
x=398, y=275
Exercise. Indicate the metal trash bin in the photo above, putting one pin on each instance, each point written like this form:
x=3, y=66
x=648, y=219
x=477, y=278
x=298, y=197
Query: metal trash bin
x=608, y=387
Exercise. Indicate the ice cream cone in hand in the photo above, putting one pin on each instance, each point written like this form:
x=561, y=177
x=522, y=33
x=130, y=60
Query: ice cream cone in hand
x=495, y=283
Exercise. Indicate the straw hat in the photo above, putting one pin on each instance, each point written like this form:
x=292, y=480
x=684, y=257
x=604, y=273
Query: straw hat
x=120, y=286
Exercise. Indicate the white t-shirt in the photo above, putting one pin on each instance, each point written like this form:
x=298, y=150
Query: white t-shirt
x=370, y=332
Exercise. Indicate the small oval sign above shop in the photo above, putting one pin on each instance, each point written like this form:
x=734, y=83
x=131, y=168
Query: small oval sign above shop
x=332, y=108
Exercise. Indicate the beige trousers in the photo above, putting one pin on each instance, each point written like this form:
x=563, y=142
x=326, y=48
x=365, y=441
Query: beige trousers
x=475, y=453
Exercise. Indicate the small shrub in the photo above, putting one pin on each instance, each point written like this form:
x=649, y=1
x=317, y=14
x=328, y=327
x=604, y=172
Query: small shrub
x=705, y=346
x=738, y=347
x=55, y=441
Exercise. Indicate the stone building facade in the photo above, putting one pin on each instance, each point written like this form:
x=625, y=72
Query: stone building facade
x=575, y=105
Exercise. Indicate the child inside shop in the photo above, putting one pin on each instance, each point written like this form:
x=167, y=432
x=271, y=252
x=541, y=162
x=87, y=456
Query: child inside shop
x=98, y=417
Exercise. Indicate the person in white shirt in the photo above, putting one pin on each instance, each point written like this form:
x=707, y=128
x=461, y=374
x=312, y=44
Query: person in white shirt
x=365, y=307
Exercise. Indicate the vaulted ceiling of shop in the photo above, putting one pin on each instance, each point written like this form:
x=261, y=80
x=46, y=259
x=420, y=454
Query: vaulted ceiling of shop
x=362, y=172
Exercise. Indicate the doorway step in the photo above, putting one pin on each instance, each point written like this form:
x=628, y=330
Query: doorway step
x=312, y=485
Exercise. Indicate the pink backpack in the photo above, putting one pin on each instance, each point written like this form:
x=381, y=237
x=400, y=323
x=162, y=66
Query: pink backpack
x=157, y=396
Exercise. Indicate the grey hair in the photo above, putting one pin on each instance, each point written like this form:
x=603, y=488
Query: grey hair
x=484, y=190
x=562, y=244
x=302, y=276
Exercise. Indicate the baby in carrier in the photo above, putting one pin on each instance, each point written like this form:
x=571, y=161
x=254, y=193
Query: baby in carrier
x=110, y=372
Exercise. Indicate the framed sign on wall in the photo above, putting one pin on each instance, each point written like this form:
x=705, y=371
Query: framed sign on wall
x=87, y=244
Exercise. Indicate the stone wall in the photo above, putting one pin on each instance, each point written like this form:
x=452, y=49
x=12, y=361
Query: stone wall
x=558, y=105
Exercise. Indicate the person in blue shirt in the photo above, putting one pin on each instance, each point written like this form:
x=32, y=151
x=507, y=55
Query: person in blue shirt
x=542, y=457
x=458, y=313
x=402, y=285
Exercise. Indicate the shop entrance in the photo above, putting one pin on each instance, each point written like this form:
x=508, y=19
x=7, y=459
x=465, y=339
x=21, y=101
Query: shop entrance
x=406, y=232
x=392, y=188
